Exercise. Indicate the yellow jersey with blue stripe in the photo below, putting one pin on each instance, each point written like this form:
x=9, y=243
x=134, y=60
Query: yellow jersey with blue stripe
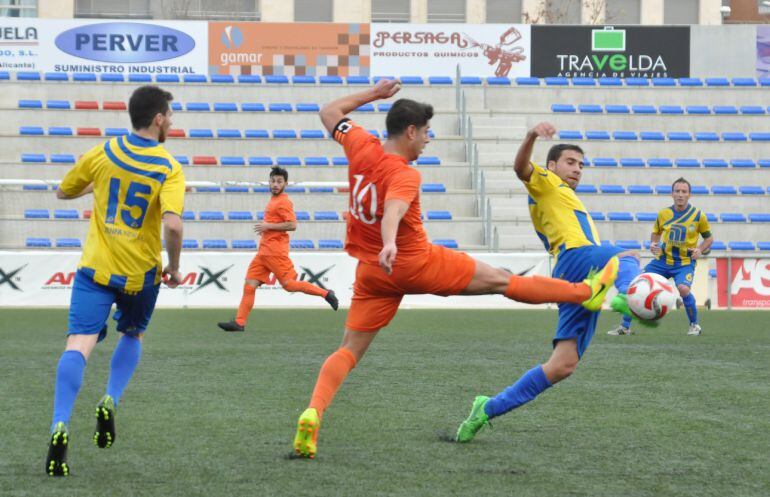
x=679, y=232
x=559, y=217
x=135, y=182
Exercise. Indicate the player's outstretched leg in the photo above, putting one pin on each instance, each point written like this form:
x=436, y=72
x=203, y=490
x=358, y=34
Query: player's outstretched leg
x=306, y=439
x=56, y=461
x=104, y=434
x=600, y=282
x=310, y=289
x=475, y=420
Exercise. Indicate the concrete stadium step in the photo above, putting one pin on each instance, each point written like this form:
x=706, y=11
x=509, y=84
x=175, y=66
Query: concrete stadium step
x=505, y=127
x=650, y=122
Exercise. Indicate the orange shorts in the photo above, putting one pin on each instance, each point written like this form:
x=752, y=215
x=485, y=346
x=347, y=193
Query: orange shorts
x=376, y=295
x=262, y=265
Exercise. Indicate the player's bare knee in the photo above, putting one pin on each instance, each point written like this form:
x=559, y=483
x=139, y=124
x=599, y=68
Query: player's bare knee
x=684, y=290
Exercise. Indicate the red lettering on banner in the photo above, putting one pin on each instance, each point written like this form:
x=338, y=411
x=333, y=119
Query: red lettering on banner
x=60, y=279
x=749, y=282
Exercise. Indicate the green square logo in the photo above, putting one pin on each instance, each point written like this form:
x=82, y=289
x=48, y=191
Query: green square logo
x=608, y=40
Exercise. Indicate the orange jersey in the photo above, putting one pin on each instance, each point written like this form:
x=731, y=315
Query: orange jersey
x=279, y=210
x=375, y=177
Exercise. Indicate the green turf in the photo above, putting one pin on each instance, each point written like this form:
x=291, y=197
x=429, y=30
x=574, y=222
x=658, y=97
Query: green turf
x=211, y=414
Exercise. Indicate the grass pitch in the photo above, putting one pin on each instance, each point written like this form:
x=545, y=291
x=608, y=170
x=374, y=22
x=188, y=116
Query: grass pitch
x=211, y=414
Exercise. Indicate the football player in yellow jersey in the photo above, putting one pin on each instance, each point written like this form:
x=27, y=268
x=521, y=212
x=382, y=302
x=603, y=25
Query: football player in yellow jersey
x=136, y=183
x=568, y=233
x=674, y=243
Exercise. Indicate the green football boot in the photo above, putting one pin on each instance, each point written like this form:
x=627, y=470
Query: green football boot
x=474, y=422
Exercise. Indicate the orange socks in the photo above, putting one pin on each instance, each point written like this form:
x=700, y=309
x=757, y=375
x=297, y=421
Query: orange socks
x=541, y=290
x=247, y=302
x=331, y=376
x=304, y=287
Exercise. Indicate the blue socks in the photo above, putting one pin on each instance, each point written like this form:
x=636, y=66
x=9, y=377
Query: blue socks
x=69, y=377
x=627, y=270
x=124, y=362
x=529, y=386
x=689, y=306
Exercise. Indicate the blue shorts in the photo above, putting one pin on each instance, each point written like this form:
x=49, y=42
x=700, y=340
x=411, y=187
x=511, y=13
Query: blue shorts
x=91, y=304
x=682, y=275
x=575, y=321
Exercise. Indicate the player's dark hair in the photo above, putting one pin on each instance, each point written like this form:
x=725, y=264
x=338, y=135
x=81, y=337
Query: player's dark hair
x=279, y=171
x=147, y=102
x=405, y=113
x=555, y=152
x=682, y=180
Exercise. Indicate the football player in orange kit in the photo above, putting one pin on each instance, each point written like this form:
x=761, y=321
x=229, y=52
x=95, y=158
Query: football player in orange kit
x=273, y=254
x=395, y=258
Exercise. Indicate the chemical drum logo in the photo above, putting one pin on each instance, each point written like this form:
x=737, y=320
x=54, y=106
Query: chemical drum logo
x=125, y=42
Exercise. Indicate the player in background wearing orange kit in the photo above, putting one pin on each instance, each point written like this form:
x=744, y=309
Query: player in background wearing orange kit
x=273, y=254
x=395, y=258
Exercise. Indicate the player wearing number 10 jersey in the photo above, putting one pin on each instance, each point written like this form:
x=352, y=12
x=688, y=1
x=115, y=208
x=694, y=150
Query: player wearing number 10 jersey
x=135, y=183
x=395, y=258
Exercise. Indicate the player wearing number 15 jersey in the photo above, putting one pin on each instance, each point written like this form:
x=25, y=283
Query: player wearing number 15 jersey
x=135, y=183
x=395, y=258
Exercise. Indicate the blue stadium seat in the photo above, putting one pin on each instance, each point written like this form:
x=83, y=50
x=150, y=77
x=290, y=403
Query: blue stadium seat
x=176, y=106
x=433, y=188
x=640, y=189
x=330, y=244
x=260, y=161
x=717, y=82
x=4, y=76
x=65, y=214
x=222, y=78
x=284, y=133
x=189, y=244
x=610, y=82
x=616, y=109
x=590, y=108
x=288, y=161
x=182, y=159
x=301, y=244
x=706, y=136
x=751, y=190
x=244, y=244
x=188, y=216
x=637, y=82
x=743, y=163
x=330, y=80
x=620, y=216
x=628, y=244
x=741, y=246
x=643, y=109
x=27, y=76
x=744, y=82
x=228, y=133
x=663, y=82
x=216, y=243
x=752, y=110
x=428, y=160
x=31, y=130
x=249, y=78
x=763, y=245
x=236, y=189
x=116, y=131
x=712, y=273
x=725, y=110
x=68, y=243
x=659, y=162
x=717, y=245
x=252, y=107
x=302, y=215
x=34, y=242
x=646, y=216
x=307, y=107
x=201, y=133
x=724, y=190
x=232, y=160
x=321, y=189
x=505, y=81
x=759, y=218
x=570, y=135
x=470, y=80
x=384, y=107
x=763, y=163
x=652, y=136
x=698, y=109
x=211, y=216
x=690, y=82
x=36, y=214
x=326, y=216
x=257, y=133
x=562, y=108
x=631, y=162
x=166, y=78
x=615, y=189
x=357, y=80
x=605, y=162
x=521, y=81
x=687, y=163
x=712, y=218
x=56, y=76
x=311, y=134
x=303, y=80
x=586, y=188
x=30, y=104
x=33, y=157
x=225, y=107
x=34, y=187
x=261, y=189
x=195, y=78
x=556, y=81
x=583, y=82
x=438, y=215
x=62, y=158
x=279, y=107
x=679, y=136
x=139, y=78
x=412, y=80
x=340, y=161
x=373, y=132
x=734, y=137
x=376, y=79
x=624, y=135
x=208, y=189
x=446, y=242
x=276, y=79
x=670, y=109
x=597, y=216
x=316, y=161
x=58, y=104
x=700, y=190
x=732, y=217
x=759, y=137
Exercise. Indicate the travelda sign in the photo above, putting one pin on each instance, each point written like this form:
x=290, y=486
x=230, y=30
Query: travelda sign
x=611, y=51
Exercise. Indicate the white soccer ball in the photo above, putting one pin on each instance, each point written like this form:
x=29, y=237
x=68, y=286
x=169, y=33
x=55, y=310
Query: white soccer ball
x=651, y=296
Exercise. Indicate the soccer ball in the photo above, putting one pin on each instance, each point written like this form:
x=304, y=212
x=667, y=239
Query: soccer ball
x=651, y=296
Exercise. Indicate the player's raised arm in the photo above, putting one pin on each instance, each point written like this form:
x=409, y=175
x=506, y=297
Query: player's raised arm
x=333, y=112
x=393, y=212
x=522, y=164
x=172, y=233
